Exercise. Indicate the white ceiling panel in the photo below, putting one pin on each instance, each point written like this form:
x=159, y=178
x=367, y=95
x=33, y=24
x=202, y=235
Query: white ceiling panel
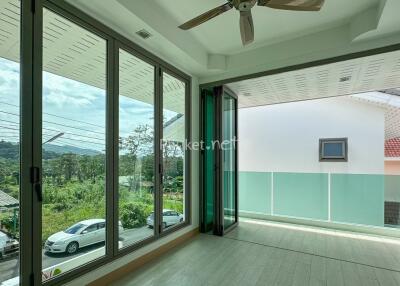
x=378, y=72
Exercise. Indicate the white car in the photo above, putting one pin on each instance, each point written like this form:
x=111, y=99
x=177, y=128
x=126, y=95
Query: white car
x=79, y=235
x=7, y=245
x=170, y=217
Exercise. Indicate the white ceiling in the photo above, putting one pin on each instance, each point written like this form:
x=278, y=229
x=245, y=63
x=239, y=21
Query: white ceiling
x=221, y=35
x=378, y=72
x=213, y=51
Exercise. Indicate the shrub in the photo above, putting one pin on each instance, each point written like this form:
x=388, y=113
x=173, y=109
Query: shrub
x=8, y=222
x=133, y=215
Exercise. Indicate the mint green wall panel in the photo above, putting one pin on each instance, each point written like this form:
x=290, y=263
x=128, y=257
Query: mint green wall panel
x=255, y=192
x=357, y=199
x=302, y=195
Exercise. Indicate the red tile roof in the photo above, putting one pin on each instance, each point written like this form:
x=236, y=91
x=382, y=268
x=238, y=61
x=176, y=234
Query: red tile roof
x=392, y=147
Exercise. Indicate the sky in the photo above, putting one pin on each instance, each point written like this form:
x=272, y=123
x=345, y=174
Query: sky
x=69, y=107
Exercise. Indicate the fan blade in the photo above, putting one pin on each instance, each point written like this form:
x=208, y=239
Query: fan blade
x=206, y=16
x=246, y=27
x=294, y=5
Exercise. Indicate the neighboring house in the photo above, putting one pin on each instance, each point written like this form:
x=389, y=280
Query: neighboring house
x=286, y=140
x=9, y=204
x=286, y=136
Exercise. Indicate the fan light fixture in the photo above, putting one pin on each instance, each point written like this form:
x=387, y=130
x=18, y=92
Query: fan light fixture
x=246, y=19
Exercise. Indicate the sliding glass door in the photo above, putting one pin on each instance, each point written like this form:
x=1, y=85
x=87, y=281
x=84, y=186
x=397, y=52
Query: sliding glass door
x=73, y=145
x=219, y=212
x=136, y=179
x=93, y=136
x=173, y=163
x=229, y=159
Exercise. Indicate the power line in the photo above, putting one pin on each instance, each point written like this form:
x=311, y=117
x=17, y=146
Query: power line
x=58, y=116
x=75, y=120
x=48, y=129
x=84, y=141
x=9, y=128
x=78, y=140
x=70, y=133
x=49, y=122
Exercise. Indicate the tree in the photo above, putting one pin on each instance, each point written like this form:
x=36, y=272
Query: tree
x=133, y=215
x=69, y=165
x=137, y=145
x=148, y=168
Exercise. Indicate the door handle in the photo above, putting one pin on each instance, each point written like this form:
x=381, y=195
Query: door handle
x=36, y=180
x=38, y=189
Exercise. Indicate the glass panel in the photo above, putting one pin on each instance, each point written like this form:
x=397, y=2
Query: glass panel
x=173, y=150
x=74, y=116
x=209, y=161
x=9, y=139
x=228, y=145
x=392, y=200
x=255, y=192
x=333, y=149
x=301, y=195
x=136, y=150
x=358, y=198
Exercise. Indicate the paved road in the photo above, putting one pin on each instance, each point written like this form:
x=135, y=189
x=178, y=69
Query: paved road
x=9, y=268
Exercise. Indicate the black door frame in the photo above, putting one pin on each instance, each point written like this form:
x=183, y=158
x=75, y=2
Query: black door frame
x=218, y=226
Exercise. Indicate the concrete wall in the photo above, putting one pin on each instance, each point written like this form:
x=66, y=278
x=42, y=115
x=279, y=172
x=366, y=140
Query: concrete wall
x=392, y=167
x=285, y=137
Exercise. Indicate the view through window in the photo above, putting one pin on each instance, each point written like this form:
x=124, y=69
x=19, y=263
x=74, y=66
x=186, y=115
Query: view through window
x=136, y=149
x=74, y=107
x=9, y=139
x=173, y=151
x=74, y=116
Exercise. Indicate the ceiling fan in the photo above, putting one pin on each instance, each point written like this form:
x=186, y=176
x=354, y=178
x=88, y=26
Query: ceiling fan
x=246, y=19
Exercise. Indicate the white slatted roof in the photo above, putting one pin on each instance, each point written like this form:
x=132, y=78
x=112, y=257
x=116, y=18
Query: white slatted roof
x=378, y=72
x=391, y=104
x=72, y=52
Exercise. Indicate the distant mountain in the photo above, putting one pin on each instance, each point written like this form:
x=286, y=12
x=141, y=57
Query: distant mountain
x=11, y=151
x=69, y=149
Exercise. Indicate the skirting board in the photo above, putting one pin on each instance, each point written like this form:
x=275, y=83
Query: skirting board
x=137, y=263
x=371, y=230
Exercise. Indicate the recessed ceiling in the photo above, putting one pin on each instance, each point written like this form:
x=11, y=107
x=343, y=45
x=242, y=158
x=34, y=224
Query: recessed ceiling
x=372, y=73
x=213, y=51
x=221, y=35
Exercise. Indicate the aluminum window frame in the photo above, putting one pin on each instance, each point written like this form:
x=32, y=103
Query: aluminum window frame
x=325, y=158
x=31, y=119
x=109, y=122
x=136, y=245
x=188, y=137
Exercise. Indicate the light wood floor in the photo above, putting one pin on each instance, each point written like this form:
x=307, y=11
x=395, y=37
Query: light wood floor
x=263, y=253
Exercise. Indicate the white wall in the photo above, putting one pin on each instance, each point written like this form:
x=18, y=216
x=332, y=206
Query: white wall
x=285, y=137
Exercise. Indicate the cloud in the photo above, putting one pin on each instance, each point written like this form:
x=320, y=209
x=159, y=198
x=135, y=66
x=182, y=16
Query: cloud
x=63, y=92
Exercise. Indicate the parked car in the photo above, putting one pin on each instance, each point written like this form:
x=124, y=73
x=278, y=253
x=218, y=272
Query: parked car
x=8, y=245
x=79, y=235
x=170, y=217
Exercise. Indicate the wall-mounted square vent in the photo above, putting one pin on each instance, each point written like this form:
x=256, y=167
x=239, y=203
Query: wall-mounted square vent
x=144, y=34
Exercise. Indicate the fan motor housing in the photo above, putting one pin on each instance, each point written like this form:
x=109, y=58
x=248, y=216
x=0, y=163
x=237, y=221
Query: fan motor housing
x=244, y=5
